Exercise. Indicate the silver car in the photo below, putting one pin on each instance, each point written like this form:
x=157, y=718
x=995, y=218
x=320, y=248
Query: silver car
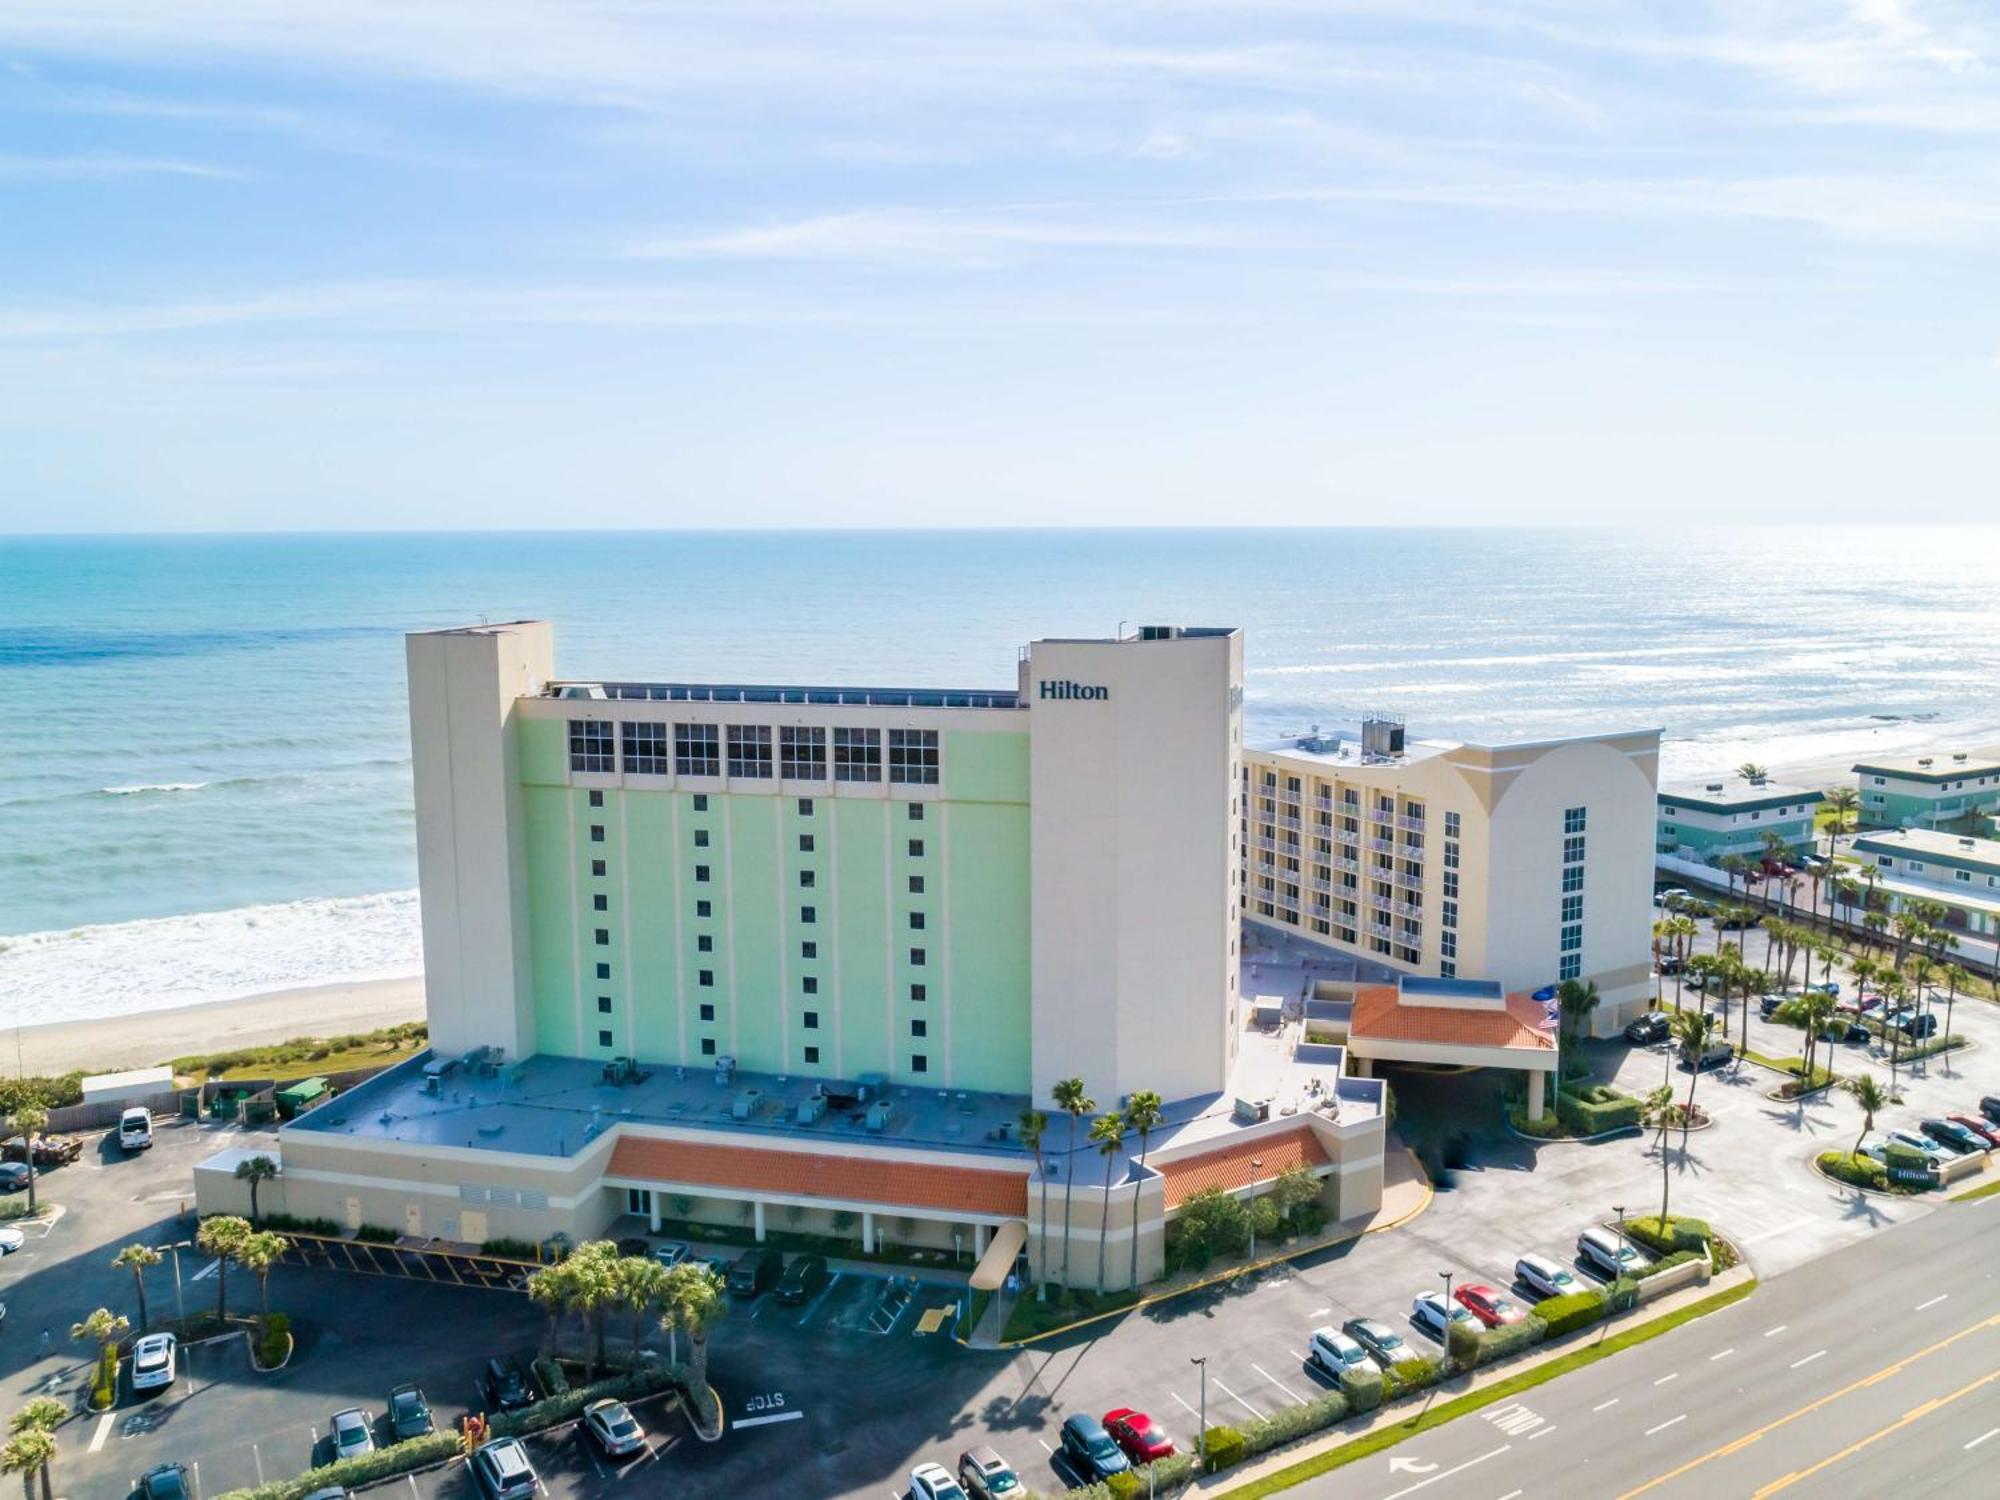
x=350, y=1433
x=1544, y=1277
x=614, y=1427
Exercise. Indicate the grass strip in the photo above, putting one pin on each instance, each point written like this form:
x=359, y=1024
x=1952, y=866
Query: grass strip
x=1984, y=1190
x=1458, y=1406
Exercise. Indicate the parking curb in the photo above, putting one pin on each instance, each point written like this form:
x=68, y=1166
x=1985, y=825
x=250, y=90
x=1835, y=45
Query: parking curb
x=1928, y=1195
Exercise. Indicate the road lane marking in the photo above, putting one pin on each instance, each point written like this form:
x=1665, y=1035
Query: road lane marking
x=1990, y=1432
x=1046, y=1448
x=1768, y=1332
x=1513, y=1495
x=1807, y=1360
x=1277, y=1382
x=1603, y=1405
x=104, y=1431
x=1736, y=1445
x=1239, y=1400
x=1933, y=1302
x=1666, y=1424
x=1319, y=1312
x=1543, y=1433
x=1723, y=1355
x=766, y=1421
x=1665, y=1378
x=1447, y=1473
x=1921, y=1409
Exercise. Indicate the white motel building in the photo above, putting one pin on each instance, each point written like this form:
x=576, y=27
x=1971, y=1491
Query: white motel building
x=799, y=958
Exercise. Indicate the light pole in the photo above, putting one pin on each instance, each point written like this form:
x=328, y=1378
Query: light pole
x=1447, y=1306
x=1619, y=1209
x=1201, y=1437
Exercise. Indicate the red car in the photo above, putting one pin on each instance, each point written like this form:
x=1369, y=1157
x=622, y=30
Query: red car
x=1986, y=1130
x=1138, y=1434
x=1487, y=1305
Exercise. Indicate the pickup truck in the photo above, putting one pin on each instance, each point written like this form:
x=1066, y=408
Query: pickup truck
x=50, y=1150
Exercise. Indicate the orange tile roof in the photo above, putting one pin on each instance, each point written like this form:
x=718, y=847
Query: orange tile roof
x=807, y=1174
x=1229, y=1167
x=1377, y=1014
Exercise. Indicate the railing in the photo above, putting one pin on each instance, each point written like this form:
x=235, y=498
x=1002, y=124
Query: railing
x=1381, y=903
x=1265, y=841
x=1286, y=820
x=1381, y=930
x=1414, y=822
x=1382, y=846
x=1376, y=815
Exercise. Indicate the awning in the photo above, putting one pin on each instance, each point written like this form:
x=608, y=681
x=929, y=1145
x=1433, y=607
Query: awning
x=997, y=1264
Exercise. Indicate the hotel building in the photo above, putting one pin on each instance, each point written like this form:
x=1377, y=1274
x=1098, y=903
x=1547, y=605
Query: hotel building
x=1521, y=864
x=703, y=952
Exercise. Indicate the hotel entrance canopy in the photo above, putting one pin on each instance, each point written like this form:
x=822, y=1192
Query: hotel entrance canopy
x=1469, y=1022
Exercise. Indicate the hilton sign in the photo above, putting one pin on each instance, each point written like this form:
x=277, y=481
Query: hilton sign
x=1073, y=690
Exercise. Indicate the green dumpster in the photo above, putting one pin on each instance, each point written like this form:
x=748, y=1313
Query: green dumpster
x=295, y=1098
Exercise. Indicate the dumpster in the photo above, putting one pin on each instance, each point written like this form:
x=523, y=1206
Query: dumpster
x=295, y=1099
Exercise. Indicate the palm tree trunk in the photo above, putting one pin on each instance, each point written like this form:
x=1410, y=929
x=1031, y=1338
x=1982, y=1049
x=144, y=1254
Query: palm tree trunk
x=47, y=1493
x=1666, y=1181
x=221, y=1287
x=1137, y=1178
x=139, y=1282
x=264, y=1294
x=596, y=1341
x=1069, y=1189
x=698, y=1357
x=1687, y=1109
x=1042, y=1239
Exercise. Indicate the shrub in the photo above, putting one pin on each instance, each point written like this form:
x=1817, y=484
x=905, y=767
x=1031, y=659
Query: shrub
x=1679, y=1233
x=1407, y=1376
x=376, y=1234
x=551, y=1377
x=1170, y=1474
x=49, y=1092
x=1856, y=1171
x=293, y=1224
x=1489, y=1344
x=273, y=1335
x=1571, y=1311
x=508, y=1249
x=1224, y=1446
x=645, y=1381
x=1363, y=1388
x=1213, y=1223
x=1124, y=1486
x=1547, y=1128
x=104, y=1383
x=1462, y=1343
x=1906, y=1158
x=1596, y=1110
x=1289, y=1423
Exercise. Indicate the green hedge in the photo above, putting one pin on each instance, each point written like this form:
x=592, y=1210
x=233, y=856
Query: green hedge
x=508, y=1249
x=273, y=1333
x=1571, y=1311
x=49, y=1092
x=1857, y=1171
x=1363, y=1389
x=1547, y=1128
x=1680, y=1233
x=104, y=1383
x=1408, y=1376
x=1594, y=1110
x=1489, y=1344
x=1290, y=1423
x=1224, y=1446
x=325, y=1228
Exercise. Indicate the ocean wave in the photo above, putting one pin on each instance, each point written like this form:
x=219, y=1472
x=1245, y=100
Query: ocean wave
x=123, y=968
x=155, y=786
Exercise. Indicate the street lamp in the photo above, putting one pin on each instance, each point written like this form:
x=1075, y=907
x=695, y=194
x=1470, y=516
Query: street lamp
x=1447, y=1304
x=1619, y=1209
x=1201, y=1437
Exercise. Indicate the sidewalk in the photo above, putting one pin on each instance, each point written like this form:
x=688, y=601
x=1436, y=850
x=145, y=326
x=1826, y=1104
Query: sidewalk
x=1408, y=1411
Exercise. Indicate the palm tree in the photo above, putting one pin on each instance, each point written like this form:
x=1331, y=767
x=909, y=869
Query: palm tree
x=1696, y=1032
x=1142, y=1114
x=103, y=1328
x=1734, y=867
x=222, y=1235
x=1703, y=967
x=45, y=1412
x=1843, y=802
x=30, y=1119
x=1659, y=1106
x=695, y=1301
x=259, y=1252
x=1818, y=1012
x=1953, y=976
x=1074, y=1102
x=1869, y=1096
x=1874, y=923
x=1576, y=1000
x=1908, y=925
x=1895, y=994
x=593, y=1287
x=1034, y=1128
x=1847, y=893
x=1108, y=1131
x=642, y=1285
x=1685, y=930
x=256, y=1170
x=136, y=1258
x=1750, y=770
x=28, y=1453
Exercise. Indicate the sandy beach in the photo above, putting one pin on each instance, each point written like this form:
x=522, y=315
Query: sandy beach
x=1830, y=773
x=151, y=1037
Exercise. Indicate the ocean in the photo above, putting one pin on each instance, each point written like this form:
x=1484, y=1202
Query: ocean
x=204, y=758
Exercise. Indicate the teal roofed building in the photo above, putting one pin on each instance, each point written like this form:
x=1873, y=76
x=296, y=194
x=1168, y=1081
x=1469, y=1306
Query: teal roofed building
x=1701, y=823
x=1959, y=791
x=1959, y=872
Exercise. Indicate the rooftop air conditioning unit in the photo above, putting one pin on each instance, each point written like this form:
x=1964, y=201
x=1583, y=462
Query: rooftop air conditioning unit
x=1923, y=760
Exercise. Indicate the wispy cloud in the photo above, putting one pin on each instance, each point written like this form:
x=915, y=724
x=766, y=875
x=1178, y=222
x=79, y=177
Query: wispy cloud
x=103, y=165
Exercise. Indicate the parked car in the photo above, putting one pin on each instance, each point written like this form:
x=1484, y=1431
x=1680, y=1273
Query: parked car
x=1544, y=1277
x=1138, y=1434
x=1717, y=1055
x=614, y=1428
x=13, y=1176
x=350, y=1434
x=11, y=1239
x=135, y=1129
x=934, y=1482
x=1917, y=1026
x=1990, y=1106
x=633, y=1244
x=164, y=1482
x=1668, y=895
x=1429, y=1312
x=503, y=1470
x=672, y=1253
x=1831, y=987
x=1378, y=1338
x=1768, y=1003
x=718, y=1266
x=332, y=1492
x=50, y=1150
x=804, y=1276
x=1604, y=1250
x=986, y=1475
x=1090, y=1450
x=1652, y=1027
x=1929, y=1149
x=1956, y=1138
x=1670, y=963
x=153, y=1359
x=1987, y=1130
x=1742, y=918
x=1336, y=1353
x=409, y=1413
x=506, y=1384
x=1488, y=1306
x=754, y=1270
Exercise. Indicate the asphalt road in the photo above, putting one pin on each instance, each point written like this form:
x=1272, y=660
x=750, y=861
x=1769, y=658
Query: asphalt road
x=1874, y=1371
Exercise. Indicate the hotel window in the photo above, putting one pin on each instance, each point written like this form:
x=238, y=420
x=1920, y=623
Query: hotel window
x=919, y=1028
x=1449, y=915
x=600, y=902
x=806, y=880
x=808, y=915
x=596, y=799
x=1572, y=878
x=1572, y=908
x=805, y=843
x=604, y=1005
x=750, y=751
x=645, y=748
x=1572, y=966
x=918, y=992
x=604, y=971
x=1572, y=937
x=857, y=755
x=916, y=848
x=812, y=1054
x=916, y=921
x=919, y=1063
x=802, y=756
x=805, y=807
x=701, y=874
x=707, y=1013
x=1448, y=944
x=913, y=757
x=916, y=885
x=1451, y=883
x=812, y=1020
x=701, y=838
x=603, y=937
x=1573, y=849
x=590, y=746
x=604, y=1039
x=704, y=943
x=916, y=812
x=597, y=833
x=916, y=958
x=597, y=868
x=1573, y=820
x=1451, y=825
x=1965, y=875
x=703, y=908
x=708, y=1046
x=1450, y=855
x=701, y=801
x=810, y=985
x=706, y=979
x=1447, y=970
x=808, y=950
x=697, y=753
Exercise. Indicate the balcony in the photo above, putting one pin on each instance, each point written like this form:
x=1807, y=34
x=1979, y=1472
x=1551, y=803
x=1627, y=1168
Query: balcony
x=1265, y=841
x=1414, y=824
x=1381, y=930
x=1285, y=820
x=1382, y=846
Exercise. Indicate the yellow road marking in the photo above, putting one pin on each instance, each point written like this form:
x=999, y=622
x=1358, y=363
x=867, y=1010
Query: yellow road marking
x=1738, y=1444
x=1923, y=1409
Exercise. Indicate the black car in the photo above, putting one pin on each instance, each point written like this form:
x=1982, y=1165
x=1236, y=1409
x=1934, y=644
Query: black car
x=804, y=1276
x=1951, y=1134
x=633, y=1245
x=753, y=1271
x=1378, y=1338
x=409, y=1413
x=1652, y=1027
x=506, y=1385
x=1990, y=1106
x=164, y=1482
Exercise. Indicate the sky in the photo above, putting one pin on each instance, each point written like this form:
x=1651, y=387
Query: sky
x=274, y=264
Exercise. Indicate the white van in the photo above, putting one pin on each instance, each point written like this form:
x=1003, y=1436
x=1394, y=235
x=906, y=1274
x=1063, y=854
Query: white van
x=135, y=1129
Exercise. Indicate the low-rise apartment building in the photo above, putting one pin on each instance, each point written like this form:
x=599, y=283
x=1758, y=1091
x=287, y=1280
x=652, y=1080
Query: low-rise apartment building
x=1704, y=822
x=1937, y=790
x=1959, y=872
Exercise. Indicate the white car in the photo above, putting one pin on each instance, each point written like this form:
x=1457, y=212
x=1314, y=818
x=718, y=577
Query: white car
x=1607, y=1253
x=1336, y=1354
x=934, y=1482
x=1429, y=1312
x=1544, y=1276
x=350, y=1433
x=153, y=1362
x=11, y=1239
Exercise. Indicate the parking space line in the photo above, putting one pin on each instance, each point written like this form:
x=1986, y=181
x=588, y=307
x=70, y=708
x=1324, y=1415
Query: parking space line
x=1990, y=1432
x=103, y=1431
x=824, y=1291
x=1184, y=1407
x=1046, y=1448
x=1239, y=1400
x=1277, y=1382
x=257, y=1457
